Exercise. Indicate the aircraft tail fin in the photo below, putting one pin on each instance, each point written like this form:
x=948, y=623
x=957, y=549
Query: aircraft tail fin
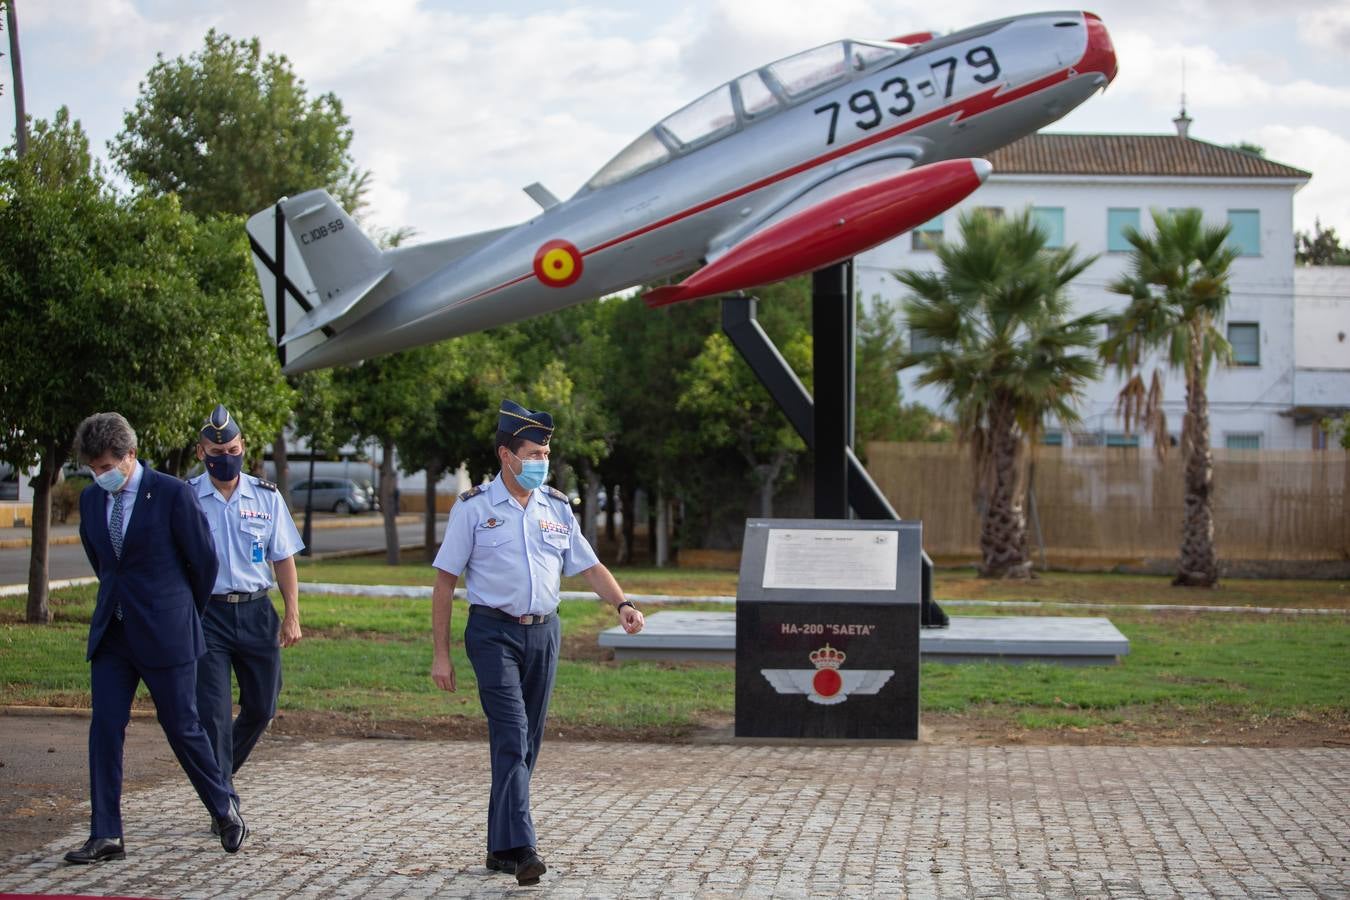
x=315, y=267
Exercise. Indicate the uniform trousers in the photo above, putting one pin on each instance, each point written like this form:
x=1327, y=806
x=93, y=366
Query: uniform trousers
x=114, y=675
x=241, y=637
x=515, y=665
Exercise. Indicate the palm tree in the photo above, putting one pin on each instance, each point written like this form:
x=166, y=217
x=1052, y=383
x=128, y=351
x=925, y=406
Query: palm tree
x=1178, y=288
x=1007, y=356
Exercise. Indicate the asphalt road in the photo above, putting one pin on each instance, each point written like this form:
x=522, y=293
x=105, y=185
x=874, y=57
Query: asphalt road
x=68, y=560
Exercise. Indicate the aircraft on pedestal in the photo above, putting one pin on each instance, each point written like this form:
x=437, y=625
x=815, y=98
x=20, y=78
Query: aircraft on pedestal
x=787, y=169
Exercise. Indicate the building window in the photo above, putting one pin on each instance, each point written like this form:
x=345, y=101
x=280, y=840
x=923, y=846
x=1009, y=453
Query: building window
x=920, y=342
x=1245, y=233
x=1053, y=439
x=1121, y=439
x=1051, y=219
x=1245, y=339
x=1116, y=220
x=1242, y=441
x=927, y=236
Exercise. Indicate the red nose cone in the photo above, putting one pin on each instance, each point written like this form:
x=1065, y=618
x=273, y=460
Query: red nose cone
x=1100, y=55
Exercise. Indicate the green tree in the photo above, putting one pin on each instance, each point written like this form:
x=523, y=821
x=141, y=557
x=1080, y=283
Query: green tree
x=230, y=131
x=101, y=307
x=381, y=399
x=1007, y=357
x=1178, y=289
x=880, y=411
x=1338, y=429
x=569, y=380
x=1320, y=248
x=730, y=409
x=649, y=451
x=315, y=415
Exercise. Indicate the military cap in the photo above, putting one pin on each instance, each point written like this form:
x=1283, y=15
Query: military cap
x=520, y=422
x=221, y=426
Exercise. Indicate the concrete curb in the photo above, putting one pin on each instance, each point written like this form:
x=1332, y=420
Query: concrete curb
x=358, y=521
x=65, y=712
x=20, y=543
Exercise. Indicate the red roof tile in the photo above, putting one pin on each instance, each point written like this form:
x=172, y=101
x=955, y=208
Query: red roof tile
x=1132, y=154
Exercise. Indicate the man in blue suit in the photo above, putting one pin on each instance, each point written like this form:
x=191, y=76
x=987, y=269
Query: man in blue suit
x=150, y=546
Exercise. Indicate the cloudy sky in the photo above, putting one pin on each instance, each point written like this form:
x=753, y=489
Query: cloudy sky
x=457, y=105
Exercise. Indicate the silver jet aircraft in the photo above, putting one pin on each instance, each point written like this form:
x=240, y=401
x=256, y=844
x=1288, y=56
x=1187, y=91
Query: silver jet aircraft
x=787, y=169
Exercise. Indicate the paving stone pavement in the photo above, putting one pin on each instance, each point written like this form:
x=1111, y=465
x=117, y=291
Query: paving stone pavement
x=387, y=819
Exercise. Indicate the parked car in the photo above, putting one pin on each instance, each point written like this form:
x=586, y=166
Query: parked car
x=341, y=495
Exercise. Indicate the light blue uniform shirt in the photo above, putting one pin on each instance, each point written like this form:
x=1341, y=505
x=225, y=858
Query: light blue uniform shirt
x=250, y=531
x=514, y=557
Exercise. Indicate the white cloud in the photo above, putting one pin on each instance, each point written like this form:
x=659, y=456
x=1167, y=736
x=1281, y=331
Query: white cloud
x=1326, y=28
x=1152, y=70
x=1324, y=153
x=455, y=110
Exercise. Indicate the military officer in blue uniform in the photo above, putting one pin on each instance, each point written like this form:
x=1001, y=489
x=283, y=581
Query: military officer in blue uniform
x=252, y=531
x=512, y=540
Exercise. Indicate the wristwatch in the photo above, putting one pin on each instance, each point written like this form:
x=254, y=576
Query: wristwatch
x=625, y=603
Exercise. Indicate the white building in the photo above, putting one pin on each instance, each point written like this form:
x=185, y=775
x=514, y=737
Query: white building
x=1322, y=348
x=1085, y=189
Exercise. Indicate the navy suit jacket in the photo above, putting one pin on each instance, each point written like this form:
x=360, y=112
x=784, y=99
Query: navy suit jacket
x=164, y=577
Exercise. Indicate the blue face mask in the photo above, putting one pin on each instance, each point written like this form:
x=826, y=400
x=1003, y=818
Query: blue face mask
x=112, y=480
x=532, y=472
x=224, y=467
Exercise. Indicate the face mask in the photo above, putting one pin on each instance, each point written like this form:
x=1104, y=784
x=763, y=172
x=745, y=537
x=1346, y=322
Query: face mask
x=112, y=480
x=532, y=472
x=224, y=467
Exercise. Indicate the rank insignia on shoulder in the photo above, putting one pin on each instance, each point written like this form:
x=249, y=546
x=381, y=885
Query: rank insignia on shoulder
x=266, y=485
x=472, y=492
x=556, y=494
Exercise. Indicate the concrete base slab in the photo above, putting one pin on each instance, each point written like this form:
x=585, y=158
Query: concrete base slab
x=1064, y=640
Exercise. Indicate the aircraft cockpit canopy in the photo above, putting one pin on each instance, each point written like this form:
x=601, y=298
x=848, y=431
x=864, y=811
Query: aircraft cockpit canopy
x=751, y=97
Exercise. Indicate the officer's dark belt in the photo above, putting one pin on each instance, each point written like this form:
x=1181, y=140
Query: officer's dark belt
x=477, y=609
x=238, y=597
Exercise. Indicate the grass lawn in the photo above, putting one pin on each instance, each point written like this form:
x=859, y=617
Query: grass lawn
x=367, y=659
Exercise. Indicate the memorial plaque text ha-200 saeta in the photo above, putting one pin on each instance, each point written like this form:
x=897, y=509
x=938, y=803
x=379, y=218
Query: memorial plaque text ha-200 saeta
x=827, y=630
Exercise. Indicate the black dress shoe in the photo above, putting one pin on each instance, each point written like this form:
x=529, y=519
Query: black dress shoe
x=97, y=850
x=215, y=824
x=529, y=868
x=232, y=829
x=501, y=864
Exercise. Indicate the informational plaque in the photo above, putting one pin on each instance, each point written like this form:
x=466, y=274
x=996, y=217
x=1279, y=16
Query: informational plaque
x=821, y=559
x=827, y=629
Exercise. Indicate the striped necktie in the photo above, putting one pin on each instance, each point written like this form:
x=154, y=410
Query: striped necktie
x=115, y=535
x=115, y=525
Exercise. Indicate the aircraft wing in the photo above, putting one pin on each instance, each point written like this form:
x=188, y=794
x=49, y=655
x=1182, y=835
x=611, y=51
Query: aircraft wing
x=837, y=219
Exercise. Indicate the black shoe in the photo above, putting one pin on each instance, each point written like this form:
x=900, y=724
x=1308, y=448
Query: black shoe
x=232, y=829
x=97, y=850
x=215, y=826
x=501, y=864
x=529, y=868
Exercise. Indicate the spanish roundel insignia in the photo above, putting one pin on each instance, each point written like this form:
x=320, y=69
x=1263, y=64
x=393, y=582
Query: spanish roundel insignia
x=826, y=684
x=557, y=264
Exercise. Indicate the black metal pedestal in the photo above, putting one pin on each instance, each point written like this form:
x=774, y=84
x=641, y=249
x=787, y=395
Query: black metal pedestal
x=842, y=483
